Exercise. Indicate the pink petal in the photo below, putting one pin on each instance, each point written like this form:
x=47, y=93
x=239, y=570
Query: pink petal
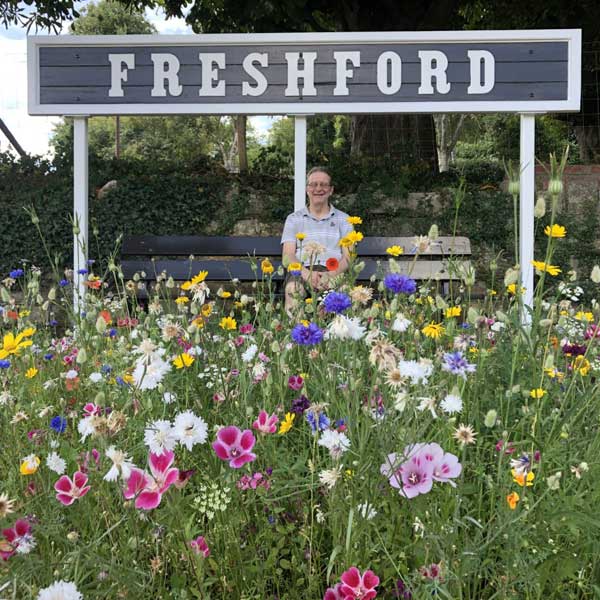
x=64, y=484
x=9, y=534
x=159, y=463
x=221, y=450
x=148, y=500
x=136, y=483
x=22, y=527
x=247, y=440
x=65, y=499
x=242, y=459
x=83, y=491
x=370, y=580
x=80, y=479
x=369, y=595
x=351, y=578
x=228, y=435
x=171, y=477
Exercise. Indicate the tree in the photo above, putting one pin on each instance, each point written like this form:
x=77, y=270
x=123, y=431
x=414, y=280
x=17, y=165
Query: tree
x=38, y=14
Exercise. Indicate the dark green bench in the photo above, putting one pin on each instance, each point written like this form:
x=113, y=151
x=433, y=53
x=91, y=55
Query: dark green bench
x=226, y=258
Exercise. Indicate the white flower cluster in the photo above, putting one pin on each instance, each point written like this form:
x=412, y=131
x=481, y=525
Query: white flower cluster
x=212, y=499
x=188, y=429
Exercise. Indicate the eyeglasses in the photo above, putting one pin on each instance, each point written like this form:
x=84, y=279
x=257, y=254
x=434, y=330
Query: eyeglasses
x=318, y=185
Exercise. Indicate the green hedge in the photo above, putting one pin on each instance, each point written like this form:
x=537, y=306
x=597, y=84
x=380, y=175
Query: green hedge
x=202, y=198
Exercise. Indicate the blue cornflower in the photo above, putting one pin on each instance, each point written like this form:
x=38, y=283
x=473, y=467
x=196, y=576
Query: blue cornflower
x=59, y=424
x=106, y=369
x=16, y=273
x=336, y=302
x=48, y=356
x=112, y=332
x=457, y=364
x=465, y=325
x=90, y=261
x=400, y=284
x=63, y=283
x=306, y=335
x=82, y=271
x=121, y=381
x=318, y=421
x=53, y=322
x=4, y=364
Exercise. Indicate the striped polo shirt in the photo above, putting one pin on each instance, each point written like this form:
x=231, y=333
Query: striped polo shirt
x=327, y=231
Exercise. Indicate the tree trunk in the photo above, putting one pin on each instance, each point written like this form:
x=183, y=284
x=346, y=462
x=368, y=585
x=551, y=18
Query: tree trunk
x=240, y=136
x=117, y=136
x=448, y=128
x=407, y=137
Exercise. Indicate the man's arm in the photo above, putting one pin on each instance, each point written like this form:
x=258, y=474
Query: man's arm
x=289, y=256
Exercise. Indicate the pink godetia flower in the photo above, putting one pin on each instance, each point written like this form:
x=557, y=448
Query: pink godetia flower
x=247, y=482
x=183, y=478
x=70, y=490
x=17, y=539
x=91, y=410
x=295, y=382
x=354, y=585
x=147, y=489
x=265, y=423
x=247, y=329
x=199, y=546
x=234, y=445
x=334, y=593
x=414, y=472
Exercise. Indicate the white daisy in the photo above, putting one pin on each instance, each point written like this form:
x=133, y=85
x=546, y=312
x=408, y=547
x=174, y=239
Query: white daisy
x=159, y=436
x=330, y=477
x=345, y=328
x=169, y=397
x=95, y=377
x=190, y=429
x=147, y=376
x=86, y=427
x=55, y=463
x=418, y=372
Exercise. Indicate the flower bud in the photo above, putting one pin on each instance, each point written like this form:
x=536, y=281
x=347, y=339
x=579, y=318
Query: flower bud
x=52, y=294
x=100, y=325
x=514, y=187
x=555, y=187
x=433, y=232
x=81, y=356
x=595, y=274
x=512, y=275
x=490, y=419
x=539, y=209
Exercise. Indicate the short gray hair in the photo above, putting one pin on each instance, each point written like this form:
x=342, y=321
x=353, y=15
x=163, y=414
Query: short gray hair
x=319, y=170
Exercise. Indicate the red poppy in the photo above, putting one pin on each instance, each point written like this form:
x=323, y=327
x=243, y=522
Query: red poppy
x=93, y=285
x=11, y=314
x=332, y=264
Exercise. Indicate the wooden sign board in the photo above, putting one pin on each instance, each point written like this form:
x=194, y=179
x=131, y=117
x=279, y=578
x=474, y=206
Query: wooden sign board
x=425, y=72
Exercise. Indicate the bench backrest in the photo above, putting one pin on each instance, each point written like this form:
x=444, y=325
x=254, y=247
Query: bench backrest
x=182, y=257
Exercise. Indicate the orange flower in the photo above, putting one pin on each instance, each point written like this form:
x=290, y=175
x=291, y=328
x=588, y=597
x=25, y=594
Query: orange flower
x=332, y=264
x=72, y=384
x=105, y=314
x=512, y=500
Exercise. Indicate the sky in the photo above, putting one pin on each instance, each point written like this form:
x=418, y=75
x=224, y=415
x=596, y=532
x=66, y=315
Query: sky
x=33, y=133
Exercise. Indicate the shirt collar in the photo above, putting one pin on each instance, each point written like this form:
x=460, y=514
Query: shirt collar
x=306, y=213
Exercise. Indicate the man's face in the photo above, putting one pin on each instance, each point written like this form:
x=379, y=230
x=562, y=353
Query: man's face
x=318, y=188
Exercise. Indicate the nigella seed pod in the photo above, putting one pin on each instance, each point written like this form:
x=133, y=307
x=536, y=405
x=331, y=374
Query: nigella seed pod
x=555, y=187
x=514, y=187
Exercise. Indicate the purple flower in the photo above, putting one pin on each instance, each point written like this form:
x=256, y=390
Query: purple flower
x=299, y=405
x=574, y=349
x=336, y=302
x=63, y=283
x=4, y=364
x=306, y=335
x=234, y=445
x=400, y=284
x=16, y=273
x=457, y=364
x=295, y=382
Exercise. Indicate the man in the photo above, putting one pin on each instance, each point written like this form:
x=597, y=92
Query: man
x=323, y=226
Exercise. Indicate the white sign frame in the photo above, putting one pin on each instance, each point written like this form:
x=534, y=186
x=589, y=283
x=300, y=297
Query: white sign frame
x=571, y=104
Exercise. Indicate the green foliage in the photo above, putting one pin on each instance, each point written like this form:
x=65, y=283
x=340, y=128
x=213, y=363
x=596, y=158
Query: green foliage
x=110, y=18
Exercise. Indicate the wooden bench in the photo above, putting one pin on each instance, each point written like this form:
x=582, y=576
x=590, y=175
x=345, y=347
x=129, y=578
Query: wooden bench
x=226, y=258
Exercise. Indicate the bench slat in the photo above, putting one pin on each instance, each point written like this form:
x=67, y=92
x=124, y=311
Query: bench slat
x=186, y=245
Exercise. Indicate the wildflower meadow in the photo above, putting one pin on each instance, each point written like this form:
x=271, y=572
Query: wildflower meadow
x=377, y=442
